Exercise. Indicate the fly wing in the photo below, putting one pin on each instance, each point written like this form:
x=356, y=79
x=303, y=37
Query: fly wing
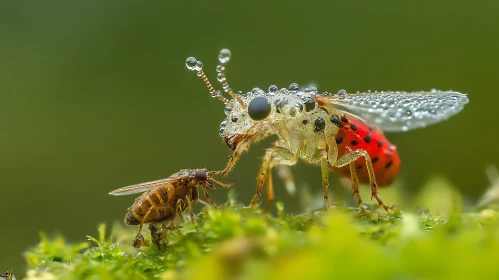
x=142, y=187
x=397, y=110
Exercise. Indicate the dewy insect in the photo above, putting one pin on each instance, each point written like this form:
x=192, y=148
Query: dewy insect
x=8, y=275
x=163, y=199
x=341, y=132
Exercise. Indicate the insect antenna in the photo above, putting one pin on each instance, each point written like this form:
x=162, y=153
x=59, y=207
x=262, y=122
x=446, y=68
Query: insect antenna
x=195, y=65
x=224, y=57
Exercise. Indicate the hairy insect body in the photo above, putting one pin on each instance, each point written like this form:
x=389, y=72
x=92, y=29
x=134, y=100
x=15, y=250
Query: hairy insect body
x=332, y=130
x=303, y=128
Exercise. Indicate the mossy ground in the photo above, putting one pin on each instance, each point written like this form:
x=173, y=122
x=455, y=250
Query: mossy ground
x=235, y=242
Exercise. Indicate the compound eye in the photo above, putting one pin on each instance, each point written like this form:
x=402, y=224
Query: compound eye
x=259, y=108
x=201, y=175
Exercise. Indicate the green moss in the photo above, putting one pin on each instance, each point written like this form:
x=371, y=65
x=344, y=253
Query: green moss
x=240, y=242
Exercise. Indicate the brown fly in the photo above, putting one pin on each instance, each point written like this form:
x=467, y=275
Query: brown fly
x=162, y=200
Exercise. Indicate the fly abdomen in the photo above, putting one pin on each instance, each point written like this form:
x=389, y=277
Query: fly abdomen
x=130, y=219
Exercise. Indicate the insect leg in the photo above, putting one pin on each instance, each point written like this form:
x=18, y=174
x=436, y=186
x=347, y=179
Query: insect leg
x=260, y=179
x=325, y=180
x=240, y=149
x=207, y=196
x=284, y=172
x=270, y=190
x=191, y=211
x=225, y=185
x=273, y=156
x=355, y=181
x=354, y=155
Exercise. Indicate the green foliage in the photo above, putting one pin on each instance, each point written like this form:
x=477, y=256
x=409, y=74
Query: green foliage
x=237, y=242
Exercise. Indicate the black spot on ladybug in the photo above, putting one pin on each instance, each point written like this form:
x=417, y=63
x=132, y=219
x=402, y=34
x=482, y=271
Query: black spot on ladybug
x=336, y=120
x=354, y=127
x=380, y=144
x=304, y=122
x=375, y=159
x=319, y=124
x=388, y=164
x=354, y=143
x=358, y=167
x=368, y=138
x=339, y=140
x=344, y=119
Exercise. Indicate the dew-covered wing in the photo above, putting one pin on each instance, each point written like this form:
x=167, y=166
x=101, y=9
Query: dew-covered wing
x=142, y=187
x=397, y=110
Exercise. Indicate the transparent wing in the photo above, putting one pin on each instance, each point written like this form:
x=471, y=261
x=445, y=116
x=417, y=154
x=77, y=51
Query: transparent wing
x=142, y=187
x=397, y=110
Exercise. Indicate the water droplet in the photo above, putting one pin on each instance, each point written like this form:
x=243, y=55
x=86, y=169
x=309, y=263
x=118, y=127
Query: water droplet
x=255, y=90
x=191, y=63
x=224, y=56
x=408, y=113
x=294, y=86
x=221, y=77
x=392, y=117
x=341, y=91
x=227, y=109
x=405, y=128
x=273, y=89
x=434, y=90
x=220, y=68
x=221, y=132
x=199, y=65
x=218, y=93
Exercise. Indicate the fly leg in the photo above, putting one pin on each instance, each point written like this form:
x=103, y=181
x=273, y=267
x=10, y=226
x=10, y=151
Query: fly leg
x=349, y=158
x=178, y=210
x=191, y=211
x=205, y=186
x=273, y=156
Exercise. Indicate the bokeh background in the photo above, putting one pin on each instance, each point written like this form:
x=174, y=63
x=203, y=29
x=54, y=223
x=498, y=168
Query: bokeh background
x=94, y=95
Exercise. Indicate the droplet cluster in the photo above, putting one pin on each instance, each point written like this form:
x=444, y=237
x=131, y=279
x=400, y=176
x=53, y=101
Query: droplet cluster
x=403, y=110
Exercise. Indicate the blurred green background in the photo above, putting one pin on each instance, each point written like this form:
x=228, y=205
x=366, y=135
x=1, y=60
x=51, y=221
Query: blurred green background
x=94, y=95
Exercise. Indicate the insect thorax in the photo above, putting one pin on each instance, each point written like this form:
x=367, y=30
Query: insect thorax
x=300, y=124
